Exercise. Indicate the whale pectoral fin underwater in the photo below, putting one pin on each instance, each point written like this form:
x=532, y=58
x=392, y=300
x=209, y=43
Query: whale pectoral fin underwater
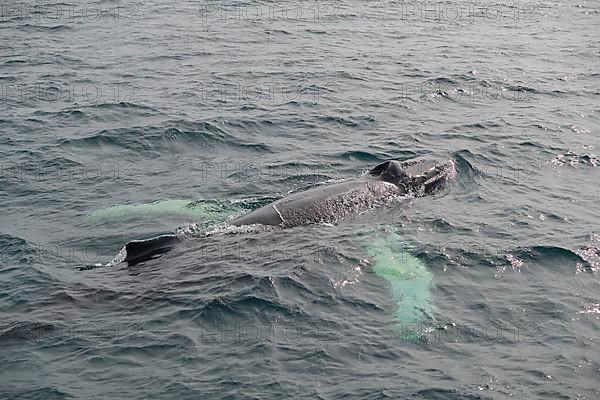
x=410, y=285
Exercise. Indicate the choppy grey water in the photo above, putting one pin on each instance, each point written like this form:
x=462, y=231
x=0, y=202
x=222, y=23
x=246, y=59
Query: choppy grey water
x=126, y=103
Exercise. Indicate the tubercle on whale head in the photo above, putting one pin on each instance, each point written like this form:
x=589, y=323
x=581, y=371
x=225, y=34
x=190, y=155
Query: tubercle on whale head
x=435, y=179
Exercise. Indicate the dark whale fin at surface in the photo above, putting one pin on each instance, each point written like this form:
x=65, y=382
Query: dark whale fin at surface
x=138, y=251
x=143, y=250
x=388, y=171
x=379, y=169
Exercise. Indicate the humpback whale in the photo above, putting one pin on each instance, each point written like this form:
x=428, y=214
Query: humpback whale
x=323, y=204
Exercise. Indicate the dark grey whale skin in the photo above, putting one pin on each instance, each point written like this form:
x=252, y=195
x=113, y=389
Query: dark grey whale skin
x=331, y=203
x=328, y=203
x=322, y=204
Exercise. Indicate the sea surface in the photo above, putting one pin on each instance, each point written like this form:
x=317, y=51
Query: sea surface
x=116, y=114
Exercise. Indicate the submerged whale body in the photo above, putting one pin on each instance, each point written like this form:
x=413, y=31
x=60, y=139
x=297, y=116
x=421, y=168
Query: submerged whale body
x=325, y=204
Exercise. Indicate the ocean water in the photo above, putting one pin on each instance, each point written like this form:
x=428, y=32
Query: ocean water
x=123, y=120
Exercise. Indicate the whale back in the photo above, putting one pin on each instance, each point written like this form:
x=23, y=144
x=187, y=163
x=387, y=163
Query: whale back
x=312, y=205
x=329, y=203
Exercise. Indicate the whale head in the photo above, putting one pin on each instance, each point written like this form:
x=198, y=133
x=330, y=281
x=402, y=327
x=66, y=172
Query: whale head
x=419, y=177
